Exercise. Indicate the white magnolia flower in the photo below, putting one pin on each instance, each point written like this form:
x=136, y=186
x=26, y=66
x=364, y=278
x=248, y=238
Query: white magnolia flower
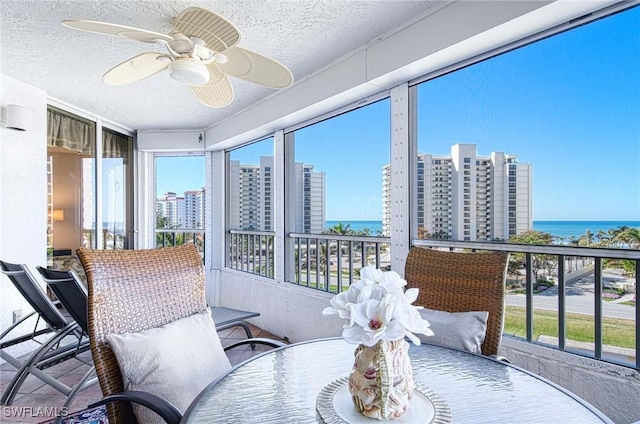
x=374, y=321
x=377, y=308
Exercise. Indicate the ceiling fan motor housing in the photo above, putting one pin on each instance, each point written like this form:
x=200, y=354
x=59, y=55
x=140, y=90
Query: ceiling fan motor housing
x=189, y=72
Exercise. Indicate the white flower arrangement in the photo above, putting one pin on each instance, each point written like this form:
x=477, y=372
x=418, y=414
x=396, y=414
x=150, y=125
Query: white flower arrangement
x=377, y=308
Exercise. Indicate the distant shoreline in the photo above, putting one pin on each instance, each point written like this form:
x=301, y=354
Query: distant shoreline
x=557, y=228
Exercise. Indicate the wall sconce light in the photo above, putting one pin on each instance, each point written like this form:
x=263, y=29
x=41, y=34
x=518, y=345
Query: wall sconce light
x=16, y=117
x=58, y=215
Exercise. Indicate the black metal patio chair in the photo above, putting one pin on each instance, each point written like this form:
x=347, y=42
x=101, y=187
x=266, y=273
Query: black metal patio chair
x=57, y=338
x=72, y=295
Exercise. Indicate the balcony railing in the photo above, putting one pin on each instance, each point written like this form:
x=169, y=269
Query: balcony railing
x=251, y=251
x=578, y=273
x=330, y=262
x=178, y=236
x=325, y=262
x=576, y=280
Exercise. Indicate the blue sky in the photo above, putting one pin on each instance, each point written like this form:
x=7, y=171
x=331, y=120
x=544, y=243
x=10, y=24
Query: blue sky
x=569, y=105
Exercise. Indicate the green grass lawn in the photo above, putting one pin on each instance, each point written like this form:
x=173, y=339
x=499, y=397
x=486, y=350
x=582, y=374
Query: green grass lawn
x=615, y=332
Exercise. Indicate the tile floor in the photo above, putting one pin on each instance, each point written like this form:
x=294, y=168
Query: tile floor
x=36, y=400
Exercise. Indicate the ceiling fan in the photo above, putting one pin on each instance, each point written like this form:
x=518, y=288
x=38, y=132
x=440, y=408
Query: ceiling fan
x=202, y=52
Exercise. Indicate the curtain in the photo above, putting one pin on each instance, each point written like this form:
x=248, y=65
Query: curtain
x=70, y=133
x=115, y=145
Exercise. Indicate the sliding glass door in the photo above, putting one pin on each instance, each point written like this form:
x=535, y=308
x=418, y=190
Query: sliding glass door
x=80, y=215
x=117, y=190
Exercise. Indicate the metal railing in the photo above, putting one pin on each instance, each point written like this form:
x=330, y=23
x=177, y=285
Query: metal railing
x=554, y=260
x=330, y=262
x=325, y=262
x=252, y=252
x=178, y=236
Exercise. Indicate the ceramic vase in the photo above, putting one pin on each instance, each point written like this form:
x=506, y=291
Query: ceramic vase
x=381, y=382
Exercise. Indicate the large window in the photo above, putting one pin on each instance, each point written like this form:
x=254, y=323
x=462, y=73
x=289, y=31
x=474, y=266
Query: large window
x=544, y=133
x=337, y=196
x=251, y=187
x=180, y=200
x=250, y=198
x=339, y=172
x=541, y=145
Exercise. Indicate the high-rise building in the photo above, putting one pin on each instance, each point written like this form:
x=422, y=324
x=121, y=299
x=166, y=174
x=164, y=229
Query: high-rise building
x=194, y=202
x=464, y=196
x=251, y=197
x=172, y=208
x=309, y=207
x=245, y=196
x=183, y=211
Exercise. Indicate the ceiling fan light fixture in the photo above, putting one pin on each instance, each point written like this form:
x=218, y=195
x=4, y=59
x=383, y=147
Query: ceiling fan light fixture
x=220, y=58
x=189, y=72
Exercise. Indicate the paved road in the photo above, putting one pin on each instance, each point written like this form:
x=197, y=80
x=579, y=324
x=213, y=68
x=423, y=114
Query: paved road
x=579, y=297
x=581, y=304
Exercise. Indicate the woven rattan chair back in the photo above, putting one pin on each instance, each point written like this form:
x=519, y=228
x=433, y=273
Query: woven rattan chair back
x=132, y=291
x=461, y=282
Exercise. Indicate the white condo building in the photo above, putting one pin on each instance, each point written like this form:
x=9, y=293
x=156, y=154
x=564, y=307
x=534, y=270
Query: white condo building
x=194, y=201
x=183, y=211
x=251, y=197
x=464, y=196
x=171, y=207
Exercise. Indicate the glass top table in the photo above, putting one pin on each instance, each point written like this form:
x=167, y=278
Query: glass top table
x=282, y=385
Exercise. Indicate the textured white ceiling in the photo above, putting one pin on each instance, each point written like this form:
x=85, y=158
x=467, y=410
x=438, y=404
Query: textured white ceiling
x=68, y=64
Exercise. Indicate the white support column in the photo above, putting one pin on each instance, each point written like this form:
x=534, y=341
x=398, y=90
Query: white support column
x=400, y=177
x=146, y=201
x=215, y=230
x=279, y=181
x=99, y=222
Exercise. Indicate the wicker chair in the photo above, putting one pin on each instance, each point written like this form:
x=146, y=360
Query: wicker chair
x=136, y=290
x=461, y=282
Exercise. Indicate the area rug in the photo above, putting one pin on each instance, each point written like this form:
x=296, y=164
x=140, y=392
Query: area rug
x=87, y=416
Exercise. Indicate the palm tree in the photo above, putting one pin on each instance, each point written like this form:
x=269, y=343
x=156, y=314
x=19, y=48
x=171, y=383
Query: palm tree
x=339, y=229
x=632, y=236
x=586, y=239
x=538, y=261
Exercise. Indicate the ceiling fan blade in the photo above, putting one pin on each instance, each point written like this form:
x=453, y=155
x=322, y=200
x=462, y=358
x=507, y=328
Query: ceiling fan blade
x=117, y=30
x=217, y=32
x=137, y=68
x=254, y=67
x=218, y=92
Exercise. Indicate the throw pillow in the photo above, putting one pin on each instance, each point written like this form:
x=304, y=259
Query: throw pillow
x=460, y=330
x=175, y=361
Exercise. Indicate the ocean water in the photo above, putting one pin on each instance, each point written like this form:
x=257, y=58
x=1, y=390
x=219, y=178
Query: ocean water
x=564, y=229
x=373, y=226
x=568, y=229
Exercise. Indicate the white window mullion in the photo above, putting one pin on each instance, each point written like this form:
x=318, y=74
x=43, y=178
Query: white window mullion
x=400, y=177
x=98, y=201
x=282, y=242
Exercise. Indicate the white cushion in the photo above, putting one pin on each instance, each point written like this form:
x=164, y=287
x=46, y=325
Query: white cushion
x=460, y=330
x=175, y=361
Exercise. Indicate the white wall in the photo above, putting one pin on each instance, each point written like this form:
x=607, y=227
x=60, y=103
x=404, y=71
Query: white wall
x=23, y=191
x=285, y=309
x=613, y=389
